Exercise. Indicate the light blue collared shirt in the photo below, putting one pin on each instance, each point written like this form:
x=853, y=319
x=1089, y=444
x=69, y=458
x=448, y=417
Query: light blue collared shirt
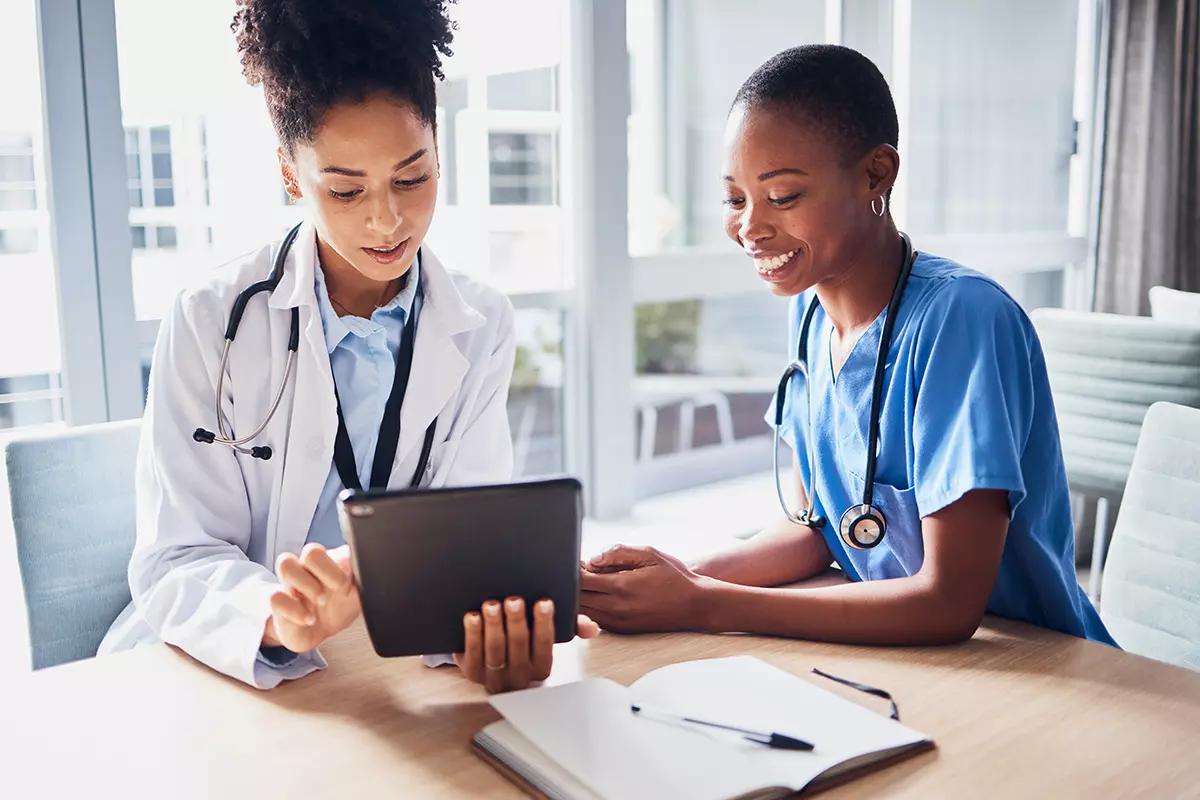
x=362, y=353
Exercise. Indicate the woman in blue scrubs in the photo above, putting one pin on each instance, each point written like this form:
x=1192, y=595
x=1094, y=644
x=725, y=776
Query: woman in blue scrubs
x=969, y=475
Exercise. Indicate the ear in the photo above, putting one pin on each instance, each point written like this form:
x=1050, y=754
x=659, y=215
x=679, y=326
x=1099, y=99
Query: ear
x=882, y=166
x=288, y=173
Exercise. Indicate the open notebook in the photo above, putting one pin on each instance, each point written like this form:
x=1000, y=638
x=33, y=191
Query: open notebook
x=582, y=741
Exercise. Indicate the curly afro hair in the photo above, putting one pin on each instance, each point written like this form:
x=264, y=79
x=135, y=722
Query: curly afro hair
x=311, y=55
x=835, y=88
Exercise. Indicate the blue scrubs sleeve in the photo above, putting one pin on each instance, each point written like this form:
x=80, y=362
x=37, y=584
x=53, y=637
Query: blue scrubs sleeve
x=975, y=397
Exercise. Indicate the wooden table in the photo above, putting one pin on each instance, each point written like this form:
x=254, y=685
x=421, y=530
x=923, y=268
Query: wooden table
x=1015, y=712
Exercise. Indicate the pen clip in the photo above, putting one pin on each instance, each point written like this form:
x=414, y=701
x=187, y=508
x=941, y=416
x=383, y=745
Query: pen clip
x=779, y=741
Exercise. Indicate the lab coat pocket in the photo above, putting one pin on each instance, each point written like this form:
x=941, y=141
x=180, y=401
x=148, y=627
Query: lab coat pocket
x=902, y=550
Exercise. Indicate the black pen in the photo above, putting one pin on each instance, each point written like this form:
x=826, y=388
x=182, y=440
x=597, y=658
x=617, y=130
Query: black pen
x=777, y=741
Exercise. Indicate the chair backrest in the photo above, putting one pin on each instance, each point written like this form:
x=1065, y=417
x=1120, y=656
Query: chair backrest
x=1105, y=372
x=1151, y=586
x=73, y=514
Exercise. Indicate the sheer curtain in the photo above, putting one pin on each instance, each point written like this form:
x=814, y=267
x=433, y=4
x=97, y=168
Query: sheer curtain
x=1150, y=193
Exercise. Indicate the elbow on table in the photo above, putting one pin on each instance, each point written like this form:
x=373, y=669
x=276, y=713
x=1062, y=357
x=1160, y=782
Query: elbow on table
x=949, y=612
x=958, y=632
x=955, y=626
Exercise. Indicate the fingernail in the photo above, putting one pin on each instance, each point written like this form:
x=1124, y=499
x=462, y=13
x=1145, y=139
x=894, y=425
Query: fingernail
x=473, y=619
x=514, y=605
x=492, y=609
x=545, y=606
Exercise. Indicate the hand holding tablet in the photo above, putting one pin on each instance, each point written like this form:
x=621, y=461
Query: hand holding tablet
x=431, y=564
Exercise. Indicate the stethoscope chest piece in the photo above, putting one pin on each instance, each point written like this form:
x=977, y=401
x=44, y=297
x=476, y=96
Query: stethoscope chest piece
x=863, y=527
x=343, y=455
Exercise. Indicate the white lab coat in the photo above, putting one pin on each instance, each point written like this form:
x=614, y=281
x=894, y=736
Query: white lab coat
x=211, y=522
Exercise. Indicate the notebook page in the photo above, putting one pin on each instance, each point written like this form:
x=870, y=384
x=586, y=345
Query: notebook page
x=750, y=693
x=588, y=728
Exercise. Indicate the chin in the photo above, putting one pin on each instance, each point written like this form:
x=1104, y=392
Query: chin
x=798, y=284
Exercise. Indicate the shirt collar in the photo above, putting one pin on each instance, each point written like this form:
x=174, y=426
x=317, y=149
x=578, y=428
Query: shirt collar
x=398, y=307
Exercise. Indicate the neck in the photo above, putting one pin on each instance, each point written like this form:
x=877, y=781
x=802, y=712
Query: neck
x=350, y=291
x=855, y=296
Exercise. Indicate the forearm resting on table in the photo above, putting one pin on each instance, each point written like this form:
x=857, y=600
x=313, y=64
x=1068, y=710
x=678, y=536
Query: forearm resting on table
x=781, y=553
x=899, y=611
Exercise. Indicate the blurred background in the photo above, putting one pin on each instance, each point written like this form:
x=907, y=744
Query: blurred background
x=643, y=333
x=1052, y=144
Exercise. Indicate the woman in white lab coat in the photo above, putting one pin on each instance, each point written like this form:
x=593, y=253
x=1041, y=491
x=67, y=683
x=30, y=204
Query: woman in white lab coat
x=239, y=559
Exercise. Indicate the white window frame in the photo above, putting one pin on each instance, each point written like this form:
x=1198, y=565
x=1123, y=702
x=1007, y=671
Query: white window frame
x=713, y=272
x=89, y=224
x=90, y=230
x=89, y=210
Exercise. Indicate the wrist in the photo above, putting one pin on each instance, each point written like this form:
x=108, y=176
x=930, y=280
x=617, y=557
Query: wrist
x=707, y=604
x=269, y=637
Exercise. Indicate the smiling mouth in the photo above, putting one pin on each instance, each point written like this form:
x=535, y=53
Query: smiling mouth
x=383, y=251
x=772, y=267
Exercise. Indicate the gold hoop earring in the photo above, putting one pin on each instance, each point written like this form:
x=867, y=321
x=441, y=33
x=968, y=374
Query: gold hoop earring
x=882, y=206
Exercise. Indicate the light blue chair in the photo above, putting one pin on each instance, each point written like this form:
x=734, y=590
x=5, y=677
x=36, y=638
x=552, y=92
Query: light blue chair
x=73, y=515
x=1105, y=372
x=1152, y=579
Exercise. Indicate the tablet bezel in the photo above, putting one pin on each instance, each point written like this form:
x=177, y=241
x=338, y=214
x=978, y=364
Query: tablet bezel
x=360, y=513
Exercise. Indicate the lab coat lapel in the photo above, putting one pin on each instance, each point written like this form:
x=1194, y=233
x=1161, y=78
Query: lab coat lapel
x=438, y=365
x=312, y=422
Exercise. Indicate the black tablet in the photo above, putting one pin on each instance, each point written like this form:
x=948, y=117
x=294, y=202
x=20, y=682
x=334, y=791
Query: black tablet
x=425, y=557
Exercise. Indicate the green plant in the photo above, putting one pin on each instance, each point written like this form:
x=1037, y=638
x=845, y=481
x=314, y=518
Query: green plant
x=525, y=368
x=666, y=336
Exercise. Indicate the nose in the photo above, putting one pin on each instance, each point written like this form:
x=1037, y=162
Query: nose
x=386, y=213
x=753, y=225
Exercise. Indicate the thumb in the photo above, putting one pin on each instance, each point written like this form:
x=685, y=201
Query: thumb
x=586, y=628
x=624, y=556
x=341, y=557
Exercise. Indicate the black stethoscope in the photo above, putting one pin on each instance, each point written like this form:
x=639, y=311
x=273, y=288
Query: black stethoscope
x=343, y=453
x=862, y=526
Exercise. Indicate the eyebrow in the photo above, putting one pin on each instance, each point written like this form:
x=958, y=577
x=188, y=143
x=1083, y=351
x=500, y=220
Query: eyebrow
x=357, y=173
x=775, y=173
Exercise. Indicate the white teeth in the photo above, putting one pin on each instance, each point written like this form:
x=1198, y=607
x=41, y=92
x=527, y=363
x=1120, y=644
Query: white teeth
x=770, y=264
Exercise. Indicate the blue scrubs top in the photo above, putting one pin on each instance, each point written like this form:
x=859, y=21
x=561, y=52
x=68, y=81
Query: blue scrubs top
x=966, y=406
